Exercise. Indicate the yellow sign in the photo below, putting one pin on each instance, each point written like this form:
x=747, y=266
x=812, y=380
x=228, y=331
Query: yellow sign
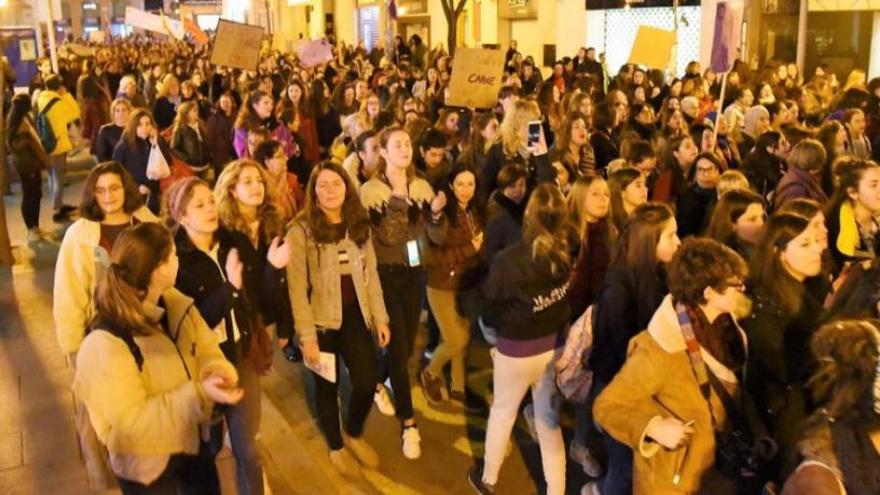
x=652, y=47
x=237, y=45
x=476, y=77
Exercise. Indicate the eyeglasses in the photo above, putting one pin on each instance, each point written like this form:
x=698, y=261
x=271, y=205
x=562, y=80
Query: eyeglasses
x=738, y=285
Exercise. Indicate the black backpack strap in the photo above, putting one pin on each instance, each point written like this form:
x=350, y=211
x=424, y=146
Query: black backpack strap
x=132, y=346
x=51, y=104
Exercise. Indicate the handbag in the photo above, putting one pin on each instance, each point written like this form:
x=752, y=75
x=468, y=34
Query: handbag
x=573, y=378
x=260, y=349
x=179, y=170
x=743, y=452
x=157, y=166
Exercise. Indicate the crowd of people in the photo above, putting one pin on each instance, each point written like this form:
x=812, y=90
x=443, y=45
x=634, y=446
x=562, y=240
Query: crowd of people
x=715, y=261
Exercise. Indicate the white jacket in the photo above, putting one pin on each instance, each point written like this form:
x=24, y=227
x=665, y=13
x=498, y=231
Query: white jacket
x=80, y=264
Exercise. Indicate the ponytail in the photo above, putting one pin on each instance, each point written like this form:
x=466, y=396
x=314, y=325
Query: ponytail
x=119, y=304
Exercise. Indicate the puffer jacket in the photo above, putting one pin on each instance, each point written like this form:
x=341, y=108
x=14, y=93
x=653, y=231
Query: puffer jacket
x=154, y=410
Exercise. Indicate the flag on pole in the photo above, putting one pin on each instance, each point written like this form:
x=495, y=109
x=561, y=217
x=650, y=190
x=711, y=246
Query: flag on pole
x=728, y=32
x=392, y=10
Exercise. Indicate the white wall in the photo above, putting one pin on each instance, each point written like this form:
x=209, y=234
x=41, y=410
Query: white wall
x=571, y=27
x=438, y=23
x=595, y=27
x=488, y=21
x=345, y=20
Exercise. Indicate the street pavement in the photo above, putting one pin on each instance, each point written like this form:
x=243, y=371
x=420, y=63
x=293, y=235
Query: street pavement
x=38, y=446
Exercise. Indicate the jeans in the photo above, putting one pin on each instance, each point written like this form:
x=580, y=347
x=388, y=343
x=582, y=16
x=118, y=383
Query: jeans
x=514, y=376
x=353, y=342
x=31, y=194
x=618, y=474
x=57, y=166
x=185, y=475
x=243, y=420
x=402, y=289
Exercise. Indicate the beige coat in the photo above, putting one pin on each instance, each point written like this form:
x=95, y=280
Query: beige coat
x=143, y=417
x=657, y=382
x=81, y=262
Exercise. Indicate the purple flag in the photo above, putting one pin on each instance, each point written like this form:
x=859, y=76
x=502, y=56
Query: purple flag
x=392, y=10
x=726, y=39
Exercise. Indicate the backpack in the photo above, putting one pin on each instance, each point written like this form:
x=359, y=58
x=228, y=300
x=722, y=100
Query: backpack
x=573, y=378
x=44, y=127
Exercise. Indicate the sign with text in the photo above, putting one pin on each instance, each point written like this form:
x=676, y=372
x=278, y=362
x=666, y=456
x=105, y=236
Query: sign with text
x=152, y=22
x=652, y=47
x=312, y=53
x=237, y=45
x=476, y=77
x=517, y=9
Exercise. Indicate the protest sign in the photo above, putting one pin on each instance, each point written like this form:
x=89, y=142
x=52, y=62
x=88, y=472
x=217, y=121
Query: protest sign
x=652, y=47
x=237, y=45
x=152, y=22
x=476, y=77
x=312, y=53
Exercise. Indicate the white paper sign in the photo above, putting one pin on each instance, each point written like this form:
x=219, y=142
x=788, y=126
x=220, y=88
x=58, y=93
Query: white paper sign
x=152, y=22
x=27, y=49
x=326, y=367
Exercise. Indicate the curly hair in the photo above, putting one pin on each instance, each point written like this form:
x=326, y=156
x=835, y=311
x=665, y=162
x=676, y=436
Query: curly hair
x=700, y=263
x=271, y=223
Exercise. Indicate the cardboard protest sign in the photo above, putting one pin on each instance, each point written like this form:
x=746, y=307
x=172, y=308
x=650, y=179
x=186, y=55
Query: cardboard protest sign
x=237, y=45
x=312, y=53
x=476, y=77
x=152, y=22
x=652, y=47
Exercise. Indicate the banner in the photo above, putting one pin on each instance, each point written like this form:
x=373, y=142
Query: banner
x=312, y=53
x=237, y=45
x=652, y=47
x=476, y=77
x=152, y=22
x=726, y=37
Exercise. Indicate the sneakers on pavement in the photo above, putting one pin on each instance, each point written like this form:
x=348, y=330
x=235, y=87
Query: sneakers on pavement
x=34, y=235
x=432, y=386
x=412, y=442
x=383, y=401
x=362, y=452
x=475, y=479
x=583, y=456
x=345, y=463
x=529, y=416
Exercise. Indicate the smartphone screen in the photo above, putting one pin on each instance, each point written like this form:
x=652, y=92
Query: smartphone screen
x=534, y=133
x=412, y=252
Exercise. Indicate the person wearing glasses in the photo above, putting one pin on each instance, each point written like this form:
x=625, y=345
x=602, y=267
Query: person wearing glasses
x=666, y=403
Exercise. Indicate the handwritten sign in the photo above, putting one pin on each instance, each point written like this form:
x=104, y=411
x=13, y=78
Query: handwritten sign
x=312, y=53
x=476, y=77
x=652, y=47
x=237, y=45
x=152, y=22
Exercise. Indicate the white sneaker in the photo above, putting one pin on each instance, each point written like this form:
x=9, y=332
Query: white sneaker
x=383, y=401
x=412, y=442
x=34, y=235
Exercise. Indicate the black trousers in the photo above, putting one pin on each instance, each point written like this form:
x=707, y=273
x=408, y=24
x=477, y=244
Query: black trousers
x=403, y=288
x=184, y=475
x=31, y=194
x=353, y=342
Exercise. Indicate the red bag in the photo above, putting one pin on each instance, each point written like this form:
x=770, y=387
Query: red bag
x=179, y=170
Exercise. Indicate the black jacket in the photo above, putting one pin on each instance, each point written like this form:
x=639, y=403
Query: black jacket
x=626, y=303
x=191, y=147
x=164, y=112
x=135, y=158
x=692, y=210
x=503, y=226
x=764, y=172
x=538, y=168
x=217, y=299
x=108, y=138
x=604, y=148
x=523, y=299
x=219, y=138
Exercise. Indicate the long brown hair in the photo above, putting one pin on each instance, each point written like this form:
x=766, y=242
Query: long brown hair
x=120, y=294
x=129, y=134
x=767, y=271
x=636, y=248
x=731, y=206
x=354, y=215
x=271, y=224
x=547, y=228
x=617, y=182
x=88, y=205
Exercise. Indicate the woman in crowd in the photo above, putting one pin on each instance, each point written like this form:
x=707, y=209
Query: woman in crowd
x=633, y=289
x=738, y=221
x=504, y=212
x=405, y=214
x=675, y=170
x=167, y=100
x=333, y=257
x=288, y=192
x=833, y=136
x=526, y=302
x=589, y=204
x=212, y=273
x=765, y=165
x=605, y=120
x=780, y=328
x=453, y=276
x=150, y=371
x=666, y=402
x=93, y=94
x=255, y=113
x=296, y=98
x=219, y=132
x=573, y=143
x=189, y=140
x=484, y=129
x=109, y=134
x=839, y=449
x=755, y=122
x=29, y=159
x=628, y=189
x=851, y=215
x=694, y=207
x=857, y=143
x=804, y=176
x=512, y=147
x=139, y=140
